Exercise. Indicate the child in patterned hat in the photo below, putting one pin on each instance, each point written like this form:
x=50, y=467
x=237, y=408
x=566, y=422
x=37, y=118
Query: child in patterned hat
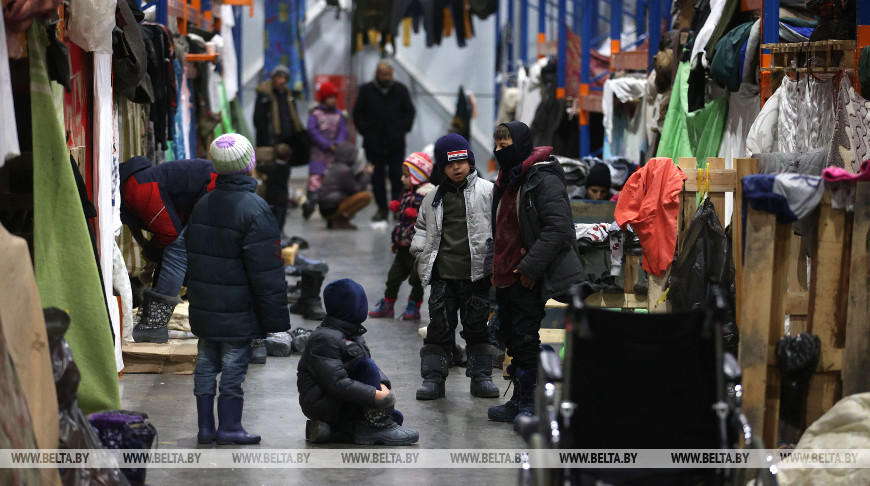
x=415, y=176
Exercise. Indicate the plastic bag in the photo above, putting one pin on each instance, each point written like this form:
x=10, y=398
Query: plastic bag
x=300, y=338
x=75, y=430
x=91, y=23
x=123, y=429
x=279, y=344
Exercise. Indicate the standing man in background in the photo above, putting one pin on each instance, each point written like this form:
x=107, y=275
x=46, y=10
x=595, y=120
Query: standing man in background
x=383, y=114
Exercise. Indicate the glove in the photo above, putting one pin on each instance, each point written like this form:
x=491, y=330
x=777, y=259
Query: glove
x=395, y=206
x=411, y=213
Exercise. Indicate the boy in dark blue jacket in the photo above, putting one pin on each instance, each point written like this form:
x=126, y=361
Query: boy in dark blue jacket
x=235, y=286
x=344, y=394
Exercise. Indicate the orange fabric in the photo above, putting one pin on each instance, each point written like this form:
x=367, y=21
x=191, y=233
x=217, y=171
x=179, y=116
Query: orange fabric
x=650, y=203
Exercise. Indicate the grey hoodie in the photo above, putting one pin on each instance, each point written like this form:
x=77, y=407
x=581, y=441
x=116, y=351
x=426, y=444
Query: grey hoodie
x=342, y=179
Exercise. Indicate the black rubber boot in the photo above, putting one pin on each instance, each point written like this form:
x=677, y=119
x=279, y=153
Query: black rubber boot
x=258, y=351
x=378, y=427
x=480, y=371
x=434, y=370
x=507, y=411
x=309, y=304
x=294, y=293
x=154, y=315
x=205, y=419
x=230, y=430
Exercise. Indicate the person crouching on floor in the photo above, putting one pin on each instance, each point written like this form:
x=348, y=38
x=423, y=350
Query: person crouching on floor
x=235, y=286
x=415, y=176
x=343, y=393
x=343, y=192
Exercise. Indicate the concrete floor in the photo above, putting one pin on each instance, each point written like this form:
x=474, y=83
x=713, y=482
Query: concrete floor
x=272, y=402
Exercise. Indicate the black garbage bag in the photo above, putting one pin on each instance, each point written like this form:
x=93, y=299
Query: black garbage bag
x=75, y=430
x=797, y=358
x=704, y=262
x=279, y=344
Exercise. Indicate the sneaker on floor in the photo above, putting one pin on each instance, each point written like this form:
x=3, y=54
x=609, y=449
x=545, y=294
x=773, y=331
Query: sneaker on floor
x=384, y=308
x=412, y=311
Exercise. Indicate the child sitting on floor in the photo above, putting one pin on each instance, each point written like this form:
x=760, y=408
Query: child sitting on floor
x=344, y=394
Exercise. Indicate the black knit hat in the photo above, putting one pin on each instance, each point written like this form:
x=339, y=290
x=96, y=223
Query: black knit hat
x=450, y=148
x=599, y=175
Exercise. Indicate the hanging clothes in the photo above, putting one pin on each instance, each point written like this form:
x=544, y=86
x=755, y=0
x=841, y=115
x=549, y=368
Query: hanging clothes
x=799, y=117
x=696, y=134
x=9, y=134
x=850, y=145
x=61, y=235
x=371, y=24
x=23, y=327
x=629, y=140
x=650, y=203
x=717, y=7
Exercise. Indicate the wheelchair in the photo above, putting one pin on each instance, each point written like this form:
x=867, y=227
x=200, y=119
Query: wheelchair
x=640, y=381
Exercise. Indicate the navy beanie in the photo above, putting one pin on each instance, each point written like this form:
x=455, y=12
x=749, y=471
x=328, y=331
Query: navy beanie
x=599, y=175
x=346, y=300
x=450, y=148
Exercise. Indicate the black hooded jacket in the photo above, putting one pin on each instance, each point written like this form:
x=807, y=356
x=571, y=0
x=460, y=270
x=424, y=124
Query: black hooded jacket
x=326, y=392
x=544, y=211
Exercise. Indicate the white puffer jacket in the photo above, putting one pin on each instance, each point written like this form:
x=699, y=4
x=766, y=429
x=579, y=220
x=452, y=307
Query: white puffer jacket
x=427, y=236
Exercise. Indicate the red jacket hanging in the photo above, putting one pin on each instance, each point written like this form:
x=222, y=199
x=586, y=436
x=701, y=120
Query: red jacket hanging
x=650, y=203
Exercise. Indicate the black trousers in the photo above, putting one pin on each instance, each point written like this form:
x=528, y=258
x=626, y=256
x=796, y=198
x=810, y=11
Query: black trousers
x=404, y=266
x=386, y=162
x=451, y=301
x=520, y=312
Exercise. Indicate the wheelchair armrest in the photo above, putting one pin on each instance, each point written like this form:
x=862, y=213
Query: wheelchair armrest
x=550, y=365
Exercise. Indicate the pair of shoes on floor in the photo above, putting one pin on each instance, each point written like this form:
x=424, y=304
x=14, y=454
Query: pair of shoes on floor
x=340, y=224
x=386, y=308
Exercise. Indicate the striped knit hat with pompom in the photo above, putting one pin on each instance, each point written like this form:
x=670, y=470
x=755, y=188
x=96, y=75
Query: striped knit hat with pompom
x=419, y=166
x=232, y=153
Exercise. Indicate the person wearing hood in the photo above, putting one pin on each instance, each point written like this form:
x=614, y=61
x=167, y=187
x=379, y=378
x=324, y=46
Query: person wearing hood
x=235, y=287
x=452, y=245
x=159, y=200
x=276, y=119
x=535, y=258
x=383, y=114
x=342, y=391
x=343, y=191
x=327, y=128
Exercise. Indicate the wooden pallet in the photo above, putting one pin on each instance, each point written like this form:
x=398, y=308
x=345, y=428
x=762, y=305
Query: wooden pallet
x=834, y=307
x=176, y=357
x=828, y=56
x=630, y=61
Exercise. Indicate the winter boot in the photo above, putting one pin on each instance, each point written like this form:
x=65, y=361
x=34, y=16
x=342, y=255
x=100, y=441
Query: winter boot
x=480, y=371
x=309, y=304
x=205, y=418
x=154, y=315
x=339, y=223
x=529, y=379
x=412, y=311
x=230, y=430
x=384, y=308
x=258, y=351
x=433, y=368
x=309, y=205
x=523, y=398
x=378, y=427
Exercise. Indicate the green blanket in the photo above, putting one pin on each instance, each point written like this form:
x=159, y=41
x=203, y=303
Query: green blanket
x=695, y=134
x=66, y=272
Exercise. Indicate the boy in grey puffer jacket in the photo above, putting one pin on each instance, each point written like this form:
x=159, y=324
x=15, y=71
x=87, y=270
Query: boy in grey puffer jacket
x=453, y=249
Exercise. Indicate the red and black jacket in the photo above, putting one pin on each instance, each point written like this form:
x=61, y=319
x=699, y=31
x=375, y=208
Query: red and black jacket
x=159, y=199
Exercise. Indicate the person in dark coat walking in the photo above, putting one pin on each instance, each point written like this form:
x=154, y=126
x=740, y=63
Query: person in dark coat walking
x=535, y=258
x=235, y=286
x=383, y=114
x=159, y=200
x=344, y=394
x=276, y=119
